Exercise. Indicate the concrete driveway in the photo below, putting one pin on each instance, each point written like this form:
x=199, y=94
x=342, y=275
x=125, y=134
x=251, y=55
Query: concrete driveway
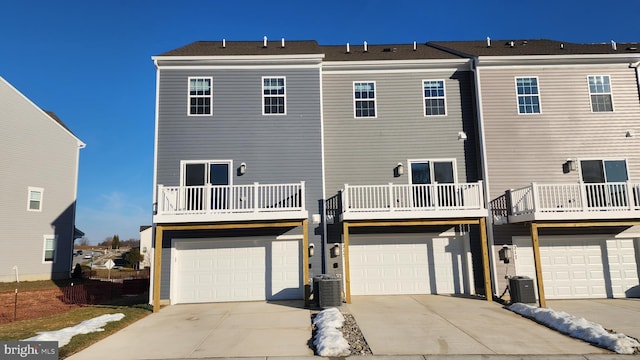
x=433, y=324
x=211, y=330
x=620, y=315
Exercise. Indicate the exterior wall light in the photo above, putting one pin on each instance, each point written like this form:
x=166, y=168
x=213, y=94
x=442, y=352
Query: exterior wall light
x=398, y=170
x=242, y=169
x=311, y=250
x=462, y=135
x=335, y=250
x=569, y=166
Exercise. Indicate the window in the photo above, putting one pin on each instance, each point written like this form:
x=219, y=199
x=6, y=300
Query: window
x=434, y=100
x=430, y=171
x=605, y=183
x=49, y=248
x=273, y=96
x=34, y=202
x=209, y=184
x=364, y=97
x=600, y=93
x=200, y=96
x=528, y=95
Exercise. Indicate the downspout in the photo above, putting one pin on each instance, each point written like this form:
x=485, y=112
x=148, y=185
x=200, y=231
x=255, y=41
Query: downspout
x=154, y=203
x=485, y=171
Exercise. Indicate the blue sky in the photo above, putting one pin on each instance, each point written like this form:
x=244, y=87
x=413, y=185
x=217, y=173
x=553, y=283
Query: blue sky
x=90, y=63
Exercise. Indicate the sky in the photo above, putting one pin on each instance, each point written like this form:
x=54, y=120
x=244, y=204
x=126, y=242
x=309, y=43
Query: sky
x=90, y=62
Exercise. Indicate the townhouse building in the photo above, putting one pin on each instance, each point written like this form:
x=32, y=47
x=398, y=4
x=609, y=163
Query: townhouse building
x=433, y=168
x=39, y=165
x=559, y=125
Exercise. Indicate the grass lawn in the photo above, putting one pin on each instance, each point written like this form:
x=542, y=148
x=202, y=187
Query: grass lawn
x=34, y=285
x=28, y=328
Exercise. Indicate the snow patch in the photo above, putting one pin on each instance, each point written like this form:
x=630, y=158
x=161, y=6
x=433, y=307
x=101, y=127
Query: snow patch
x=63, y=336
x=329, y=340
x=578, y=327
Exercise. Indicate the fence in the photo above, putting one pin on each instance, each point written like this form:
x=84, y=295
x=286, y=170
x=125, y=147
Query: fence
x=23, y=305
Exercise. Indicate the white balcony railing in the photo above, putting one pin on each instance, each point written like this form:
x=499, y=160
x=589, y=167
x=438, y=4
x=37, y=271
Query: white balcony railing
x=580, y=200
x=227, y=202
x=412, y=200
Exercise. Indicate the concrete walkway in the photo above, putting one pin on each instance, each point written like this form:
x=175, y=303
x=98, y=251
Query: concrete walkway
x=243, y=329
x=431, y=324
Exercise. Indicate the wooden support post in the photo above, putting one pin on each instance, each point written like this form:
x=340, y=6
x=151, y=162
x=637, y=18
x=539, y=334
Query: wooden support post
x=535, y=243
x=347, y=272
x=486, y=269
x=157, y=266
x=305, y=261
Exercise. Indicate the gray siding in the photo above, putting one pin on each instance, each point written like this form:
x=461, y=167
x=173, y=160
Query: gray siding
x=276, y=148
x=532, y=148
x=364, y=151
x=34, y=151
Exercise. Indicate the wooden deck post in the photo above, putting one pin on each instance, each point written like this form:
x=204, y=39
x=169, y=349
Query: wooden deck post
x=347, y=272
x=157, y=266
x=486, y=270
x=535, y=243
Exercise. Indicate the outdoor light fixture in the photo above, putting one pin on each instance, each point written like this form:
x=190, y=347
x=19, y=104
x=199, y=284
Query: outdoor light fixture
x=462, y=135
x=243, y=168
x=628, y=134
x=311, y=250
x=569, y=166
x=335, y=250
x=399, y=169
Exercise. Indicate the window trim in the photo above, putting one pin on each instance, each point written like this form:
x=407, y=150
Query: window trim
x=184, y=163
x=189, y=96
x=453, y=161
x=515, y=81
x=31, y=189
x=284, y=96
x=610, y=93
x=375, y=99
x=44, y=248
x=444, y=97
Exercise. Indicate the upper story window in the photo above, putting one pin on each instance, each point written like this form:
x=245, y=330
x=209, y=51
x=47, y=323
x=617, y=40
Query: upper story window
x=34, y=201
x=200, y=96
x=274, y=96
x=364, y=97
x=600, y=93
x=434, y=98
x=528, y=95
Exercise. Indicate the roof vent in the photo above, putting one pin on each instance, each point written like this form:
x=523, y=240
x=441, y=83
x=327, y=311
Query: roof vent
x=394, y=49
x=348, y=50
x=366, y=48
x=525, y=42
x=614, y=46
x=561, y=45
x=282, y=44
x=264, y=42
x=415, y=46
x=386, y=50
x=632, y=48
x=224, y=43
x=488, y=41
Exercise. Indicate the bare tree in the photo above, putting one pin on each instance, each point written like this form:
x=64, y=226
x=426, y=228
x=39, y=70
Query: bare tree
x=83, y=241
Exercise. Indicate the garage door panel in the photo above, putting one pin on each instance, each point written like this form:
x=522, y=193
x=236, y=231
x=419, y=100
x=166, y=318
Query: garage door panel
x=216, y=270
x=400, y=264
x=585, y=266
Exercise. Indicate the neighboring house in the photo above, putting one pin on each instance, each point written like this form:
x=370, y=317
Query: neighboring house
x=405, y=204
x=146, y=246
x=39, y=159
x=560, y=145
x=238, y=171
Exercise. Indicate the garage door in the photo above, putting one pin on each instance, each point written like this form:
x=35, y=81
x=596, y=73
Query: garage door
x=591, y=266
x=408, y=264
x=217, y=270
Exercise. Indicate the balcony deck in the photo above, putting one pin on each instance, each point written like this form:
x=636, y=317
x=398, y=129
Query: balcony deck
x=208, y=203
x=413, y=201
x=575, y=202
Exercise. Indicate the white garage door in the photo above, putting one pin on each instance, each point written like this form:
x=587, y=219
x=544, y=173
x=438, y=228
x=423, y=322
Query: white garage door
x=590, y=266
x=408, y=264
x=218, y=270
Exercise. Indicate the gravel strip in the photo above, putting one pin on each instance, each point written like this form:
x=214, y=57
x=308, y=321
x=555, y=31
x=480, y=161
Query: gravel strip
x=351, y=332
